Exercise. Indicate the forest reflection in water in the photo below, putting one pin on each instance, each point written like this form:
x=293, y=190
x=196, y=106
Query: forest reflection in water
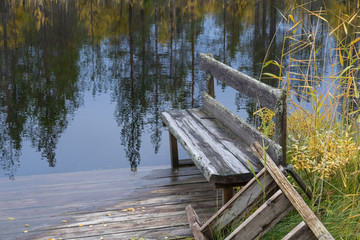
x=142, y=55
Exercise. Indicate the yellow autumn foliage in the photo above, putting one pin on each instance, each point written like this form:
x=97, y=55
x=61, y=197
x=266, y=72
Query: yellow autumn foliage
x=321, y=150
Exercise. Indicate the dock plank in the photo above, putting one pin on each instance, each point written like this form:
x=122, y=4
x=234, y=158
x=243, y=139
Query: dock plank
x=113, y=204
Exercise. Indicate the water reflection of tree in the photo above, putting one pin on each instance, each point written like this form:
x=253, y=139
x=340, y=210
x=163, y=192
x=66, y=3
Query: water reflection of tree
x=143, y=52
x=38, y=90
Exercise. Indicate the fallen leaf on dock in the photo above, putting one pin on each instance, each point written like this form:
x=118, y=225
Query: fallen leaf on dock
x=26, y=231
x=129, y=209
x=108, y=214
x=64, y=221
x=26, y=225
x=11, y=218
x=81, y=225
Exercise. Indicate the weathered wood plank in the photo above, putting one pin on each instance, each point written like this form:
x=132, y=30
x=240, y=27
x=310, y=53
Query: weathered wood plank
x=301, y=231
x=294, y=197
x=256, y=90
x=281, y=125
x=233, y=143
x=241, y=128
x=210, y=86
x=265, y=95
x=174, y=155
x=264, y=218
x=164, y=193
x=194, y=223
x=208, y=148
x=240, y=205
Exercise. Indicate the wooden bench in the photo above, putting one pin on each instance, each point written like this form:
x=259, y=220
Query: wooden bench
x=217, y=140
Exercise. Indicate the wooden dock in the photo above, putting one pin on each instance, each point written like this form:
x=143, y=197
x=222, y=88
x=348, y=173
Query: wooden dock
x=108, y=204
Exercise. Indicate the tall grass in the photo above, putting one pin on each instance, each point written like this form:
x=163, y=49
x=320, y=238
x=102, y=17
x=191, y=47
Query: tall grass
x=319, y=67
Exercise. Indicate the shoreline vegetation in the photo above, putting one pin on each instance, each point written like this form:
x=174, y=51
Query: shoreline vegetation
x=319, y=67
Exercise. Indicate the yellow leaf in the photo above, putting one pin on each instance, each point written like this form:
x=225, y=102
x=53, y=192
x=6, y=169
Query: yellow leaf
x=345, y=28
x=81, y=225
x=108, y=214
x=11, y=218
x=354, y=41
x=64, y=221
x=340, y=58
x=292, y=18
x=26, y=225
x=26, y=231
x=295, y=25
x=355, y=88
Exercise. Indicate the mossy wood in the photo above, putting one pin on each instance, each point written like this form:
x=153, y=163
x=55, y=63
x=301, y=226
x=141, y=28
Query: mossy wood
x=217, y=140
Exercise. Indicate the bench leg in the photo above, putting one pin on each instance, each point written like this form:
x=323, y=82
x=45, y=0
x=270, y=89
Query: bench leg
x=227, y=194
x=174, y=155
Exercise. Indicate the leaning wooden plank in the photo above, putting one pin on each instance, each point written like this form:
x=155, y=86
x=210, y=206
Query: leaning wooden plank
x=264, y=218
x=241, y=128
x=258, y=91
x=294, y=197
x=194, y=223
x=249, y=196
x=301, y=231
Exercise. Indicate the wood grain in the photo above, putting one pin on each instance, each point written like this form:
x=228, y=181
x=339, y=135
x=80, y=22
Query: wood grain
x=261, y=93
x=242, y=129
x=264, y=218
x=256, y=90
x=194, y=223
x=301, y=231
x=96, y=201
x=220, y=155
x=294, y=197
x=241, y=204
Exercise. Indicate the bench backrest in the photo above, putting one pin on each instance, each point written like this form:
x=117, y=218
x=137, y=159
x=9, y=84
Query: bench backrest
x=267, y=96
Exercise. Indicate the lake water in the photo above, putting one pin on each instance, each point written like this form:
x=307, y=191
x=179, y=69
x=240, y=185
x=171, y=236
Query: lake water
x=83, y=83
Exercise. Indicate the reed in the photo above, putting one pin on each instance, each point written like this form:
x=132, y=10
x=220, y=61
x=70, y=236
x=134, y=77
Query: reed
x=319, y=67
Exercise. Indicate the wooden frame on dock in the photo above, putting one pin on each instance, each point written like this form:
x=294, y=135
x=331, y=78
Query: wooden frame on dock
x=267, y=215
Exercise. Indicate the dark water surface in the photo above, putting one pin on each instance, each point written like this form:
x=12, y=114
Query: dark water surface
x=83, y=83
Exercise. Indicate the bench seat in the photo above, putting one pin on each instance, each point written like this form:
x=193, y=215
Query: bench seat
x=221, y=155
